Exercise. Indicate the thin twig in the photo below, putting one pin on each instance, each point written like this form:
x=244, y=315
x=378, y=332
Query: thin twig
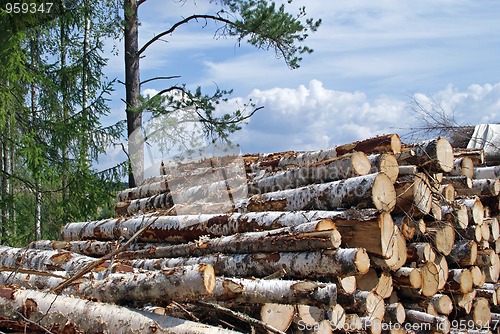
x=34, y=323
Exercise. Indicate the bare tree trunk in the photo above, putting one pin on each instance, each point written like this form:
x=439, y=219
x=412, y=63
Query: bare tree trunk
x=132, y=89
x=51, y=311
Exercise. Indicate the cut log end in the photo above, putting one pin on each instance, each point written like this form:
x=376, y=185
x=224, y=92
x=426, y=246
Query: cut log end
x=444, y=153
x=208, y=273
x=389, y=166
x=362, y=261
x=383, y=193
x=360, y=163
x=279, y=316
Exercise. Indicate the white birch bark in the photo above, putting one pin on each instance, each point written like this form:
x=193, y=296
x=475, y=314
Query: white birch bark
x=51, y=310
x=180, y=284
x=342, y=262
x=261, y=291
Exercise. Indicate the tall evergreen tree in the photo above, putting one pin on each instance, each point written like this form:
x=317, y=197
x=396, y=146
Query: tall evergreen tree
x=261, y=23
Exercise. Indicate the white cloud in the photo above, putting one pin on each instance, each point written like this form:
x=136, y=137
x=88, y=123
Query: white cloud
x=315, y=117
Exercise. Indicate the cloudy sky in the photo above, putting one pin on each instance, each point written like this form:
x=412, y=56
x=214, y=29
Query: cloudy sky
x=370, y=58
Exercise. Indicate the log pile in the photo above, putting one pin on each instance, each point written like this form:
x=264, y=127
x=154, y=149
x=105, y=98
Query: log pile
x=369, y=237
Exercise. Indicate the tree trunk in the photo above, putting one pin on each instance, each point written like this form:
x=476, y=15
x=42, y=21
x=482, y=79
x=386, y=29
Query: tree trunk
x=442, y=236
x=390, y=143
x=430, y=279
x=456, y=214
x=133, y=91
x=435, y=155
x=41, y=260
x=398, y=257
x=475, y=210
x=419, y=253
x=309, y=236
x=395, y=313
x=381, y=283
x=51, y=311
x=350, y=165
x=407, y=226
x=337, y=317
x=180, y=284
x=459, y=280
x=262, y=291
x=343, y=262
x=372, y=191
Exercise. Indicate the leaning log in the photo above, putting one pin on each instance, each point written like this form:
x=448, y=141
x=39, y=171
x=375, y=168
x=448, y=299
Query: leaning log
x=181, y=284
x=341, y=262
x=52, y=311
x=369, y=191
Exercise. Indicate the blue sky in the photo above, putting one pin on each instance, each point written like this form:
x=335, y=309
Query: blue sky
x=369, y=57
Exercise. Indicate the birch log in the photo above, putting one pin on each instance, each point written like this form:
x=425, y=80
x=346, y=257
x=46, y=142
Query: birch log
x=365, y=302
x=475, y=209
x=463, y=166
x=42, y=260
x=482, y=187
x=414, y=194
x=261, y=291
x=190, y=227
x=350, y=165
x=309, y=236
x=492, y=172
x=385, y=163
x=50, y=310
x=372, y=191
x=180, y=284
x=435, y=155
x=463, y=253
x=342, y=262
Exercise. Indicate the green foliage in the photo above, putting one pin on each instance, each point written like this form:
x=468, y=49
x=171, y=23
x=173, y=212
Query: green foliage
x=56, y=136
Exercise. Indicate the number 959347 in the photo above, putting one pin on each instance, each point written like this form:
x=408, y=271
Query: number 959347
x=28, y=7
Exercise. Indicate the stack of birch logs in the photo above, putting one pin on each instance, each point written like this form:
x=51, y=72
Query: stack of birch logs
x=369, y=237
